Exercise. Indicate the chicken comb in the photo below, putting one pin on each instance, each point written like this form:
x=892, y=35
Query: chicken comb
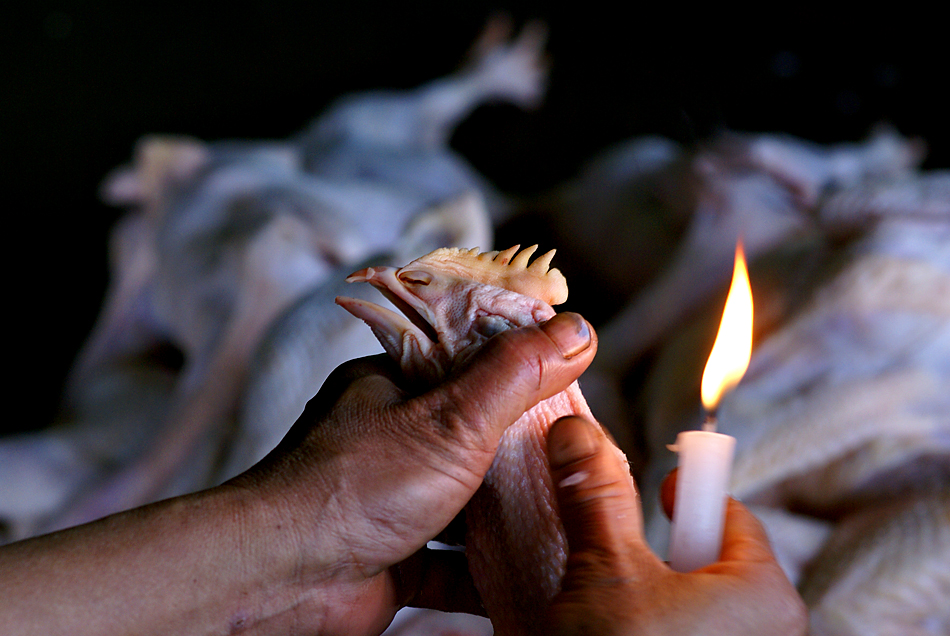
x=508, y=269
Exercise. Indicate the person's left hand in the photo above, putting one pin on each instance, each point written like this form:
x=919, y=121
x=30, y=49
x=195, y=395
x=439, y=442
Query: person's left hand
x=614, y=585
x=368, y=475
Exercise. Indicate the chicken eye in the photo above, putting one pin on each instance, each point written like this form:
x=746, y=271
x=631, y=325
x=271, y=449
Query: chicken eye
x=415, y=278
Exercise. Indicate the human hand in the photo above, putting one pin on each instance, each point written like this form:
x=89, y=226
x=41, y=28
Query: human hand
x=369, y=474
x=614, y=583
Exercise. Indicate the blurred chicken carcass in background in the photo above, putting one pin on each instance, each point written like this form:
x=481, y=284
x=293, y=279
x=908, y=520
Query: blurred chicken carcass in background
x=223, y=275
x=845, y=410
x=402, y=139
x=669, y=218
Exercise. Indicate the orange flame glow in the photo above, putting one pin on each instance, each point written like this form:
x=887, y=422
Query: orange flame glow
x=730, y=354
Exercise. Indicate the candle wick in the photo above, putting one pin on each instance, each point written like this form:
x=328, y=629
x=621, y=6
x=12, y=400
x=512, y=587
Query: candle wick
x=711, y=422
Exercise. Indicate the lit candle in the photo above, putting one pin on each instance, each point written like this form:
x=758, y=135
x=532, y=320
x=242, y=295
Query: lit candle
x=705, y=457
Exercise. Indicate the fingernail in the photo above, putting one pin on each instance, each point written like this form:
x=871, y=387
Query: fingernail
x=574, y=479
x=571, y=439
x=569, y=332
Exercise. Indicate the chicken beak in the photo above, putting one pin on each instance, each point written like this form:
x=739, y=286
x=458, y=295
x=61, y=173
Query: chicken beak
x=408, y=337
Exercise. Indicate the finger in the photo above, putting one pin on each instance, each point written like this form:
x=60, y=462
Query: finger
x=439, y=580
x=349, y=372
x=744, y=537
x=514, y=371
x=375, y=376
x=597, y=500
x=668, y=492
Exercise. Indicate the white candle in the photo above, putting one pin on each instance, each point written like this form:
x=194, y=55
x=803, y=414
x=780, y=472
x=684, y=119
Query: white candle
x=702, y=482
x=705, y=457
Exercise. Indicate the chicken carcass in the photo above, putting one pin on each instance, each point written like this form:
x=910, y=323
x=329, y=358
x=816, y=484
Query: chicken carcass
x=454, y=300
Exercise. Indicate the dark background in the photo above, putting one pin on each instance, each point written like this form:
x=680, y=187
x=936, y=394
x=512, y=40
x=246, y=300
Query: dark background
x=82, y=81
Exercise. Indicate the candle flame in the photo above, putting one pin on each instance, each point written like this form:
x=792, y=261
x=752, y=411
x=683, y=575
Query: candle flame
x=732, y=350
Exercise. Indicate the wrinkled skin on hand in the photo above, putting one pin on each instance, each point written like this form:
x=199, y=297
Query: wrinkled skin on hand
x=369, y=474
x=615, y=585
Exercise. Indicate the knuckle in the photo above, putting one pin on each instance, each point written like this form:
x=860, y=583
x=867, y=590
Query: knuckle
x=513, y=344
x=795, y=614
x=787, y=612
x=531, y=362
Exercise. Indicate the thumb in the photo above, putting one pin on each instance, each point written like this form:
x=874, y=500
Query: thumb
x=597, y=499
x=514, y=371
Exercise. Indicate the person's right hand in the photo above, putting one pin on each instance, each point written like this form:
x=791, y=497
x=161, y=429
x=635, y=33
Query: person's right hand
x=614, y=583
